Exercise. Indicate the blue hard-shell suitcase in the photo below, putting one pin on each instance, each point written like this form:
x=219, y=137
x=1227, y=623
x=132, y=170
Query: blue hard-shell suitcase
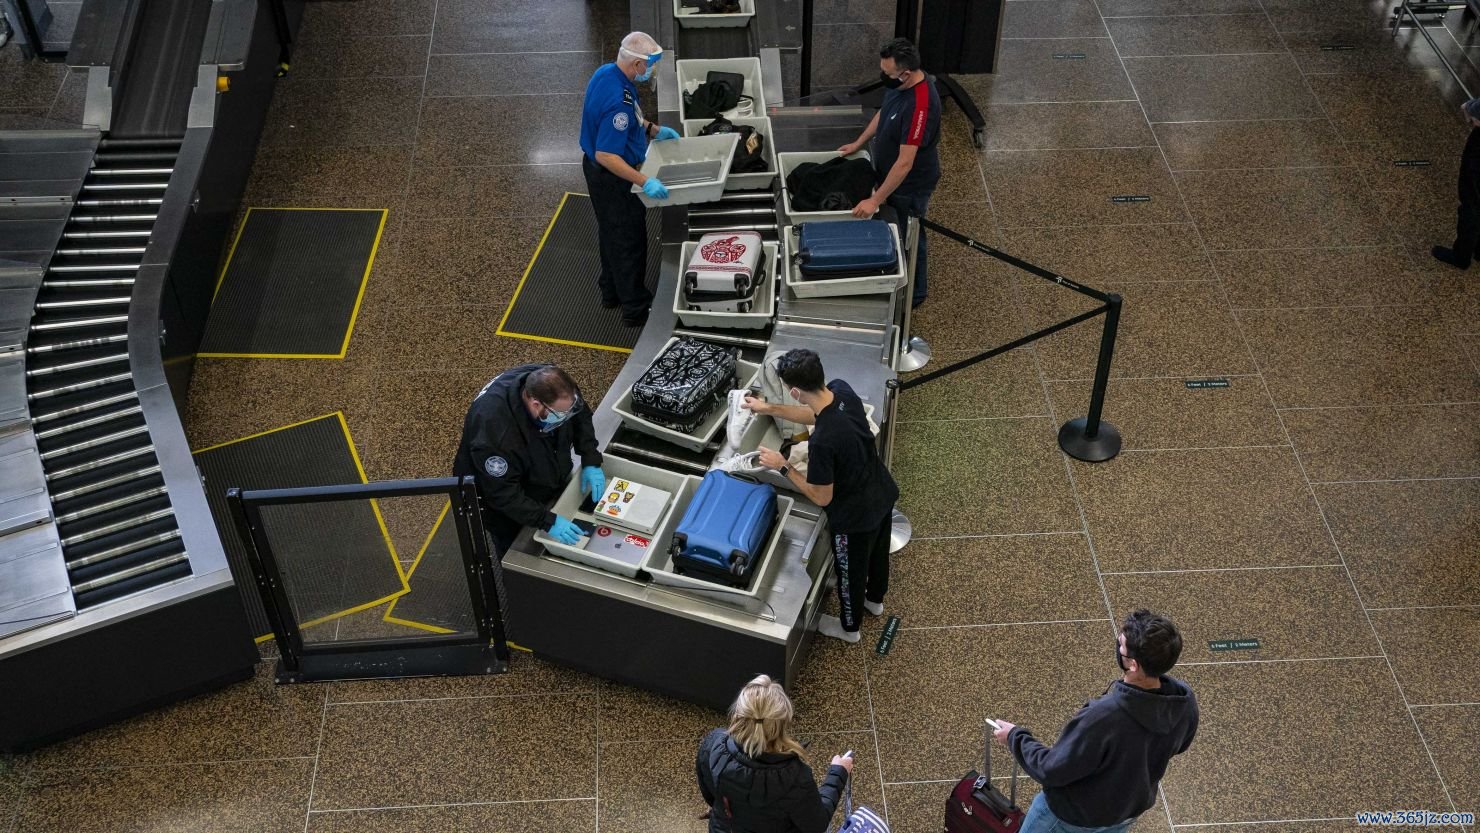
x=848, y=249
x=722, y=532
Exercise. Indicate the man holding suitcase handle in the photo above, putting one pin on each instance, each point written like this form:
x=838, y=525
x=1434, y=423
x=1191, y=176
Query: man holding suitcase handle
x=1103, y=771
x=517, y=441
x=846, y=477
x=903, y=139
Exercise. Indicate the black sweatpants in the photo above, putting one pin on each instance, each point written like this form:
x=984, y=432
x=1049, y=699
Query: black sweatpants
x=621, y=228
x=502, y=529
x=1466, y=233
x=862, y=562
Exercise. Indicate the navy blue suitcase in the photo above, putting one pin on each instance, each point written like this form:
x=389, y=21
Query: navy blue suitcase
x=724, y=529
x=847, y=249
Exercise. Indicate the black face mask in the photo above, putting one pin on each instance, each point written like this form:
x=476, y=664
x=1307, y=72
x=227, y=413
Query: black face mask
x=1120, y=659
x=890, y=81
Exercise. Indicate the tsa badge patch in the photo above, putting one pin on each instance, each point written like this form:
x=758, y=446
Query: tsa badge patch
x=496, y=466
x=619, y=121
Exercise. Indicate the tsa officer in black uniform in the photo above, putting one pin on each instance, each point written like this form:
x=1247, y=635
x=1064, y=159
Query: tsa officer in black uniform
x=614, y=140
x=1467, y=227
x=517, y=440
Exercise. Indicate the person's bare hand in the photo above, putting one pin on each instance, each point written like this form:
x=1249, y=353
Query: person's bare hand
x=844, y=761
x=1002, y=731
x=770, y=459
x=756, y=405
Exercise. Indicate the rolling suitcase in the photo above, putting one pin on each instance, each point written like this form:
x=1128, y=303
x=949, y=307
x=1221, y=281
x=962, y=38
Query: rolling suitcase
x=977, y=806
x=851, y=249
x=687, y=381
x=722, y=532
x=724, y=263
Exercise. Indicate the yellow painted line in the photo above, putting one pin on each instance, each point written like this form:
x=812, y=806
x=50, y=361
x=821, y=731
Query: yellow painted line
x=262, y=433
x=375, y=506
x=388, y=617
x=566, y=342
x=529, y=268
x=359, y=295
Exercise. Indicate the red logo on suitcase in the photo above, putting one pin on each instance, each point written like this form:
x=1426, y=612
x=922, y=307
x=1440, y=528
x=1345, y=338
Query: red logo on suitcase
x=724, y=250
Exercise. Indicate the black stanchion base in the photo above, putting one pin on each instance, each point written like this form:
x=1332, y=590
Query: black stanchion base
x=1104, y=446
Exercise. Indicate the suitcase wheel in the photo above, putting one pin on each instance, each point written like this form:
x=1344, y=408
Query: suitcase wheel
x=737, y=565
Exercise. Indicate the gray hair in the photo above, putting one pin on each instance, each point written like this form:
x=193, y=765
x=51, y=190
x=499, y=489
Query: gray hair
x=638, y=45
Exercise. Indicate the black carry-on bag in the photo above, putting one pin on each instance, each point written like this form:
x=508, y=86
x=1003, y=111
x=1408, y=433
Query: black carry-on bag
x=687, y=381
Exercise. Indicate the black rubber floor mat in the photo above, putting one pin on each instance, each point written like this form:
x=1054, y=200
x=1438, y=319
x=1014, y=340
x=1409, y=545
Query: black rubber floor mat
x=336, y=557
x=439, y=600
x=557, y=299
x=292, y=283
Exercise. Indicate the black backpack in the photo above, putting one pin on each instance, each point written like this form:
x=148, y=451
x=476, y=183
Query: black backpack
x=835, y=185
x=750, y=156
x=720, y=91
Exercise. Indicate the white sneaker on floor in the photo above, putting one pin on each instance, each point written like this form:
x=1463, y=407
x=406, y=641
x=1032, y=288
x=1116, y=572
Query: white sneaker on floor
x=833, y=626
x=740, y=418
x=874, y=608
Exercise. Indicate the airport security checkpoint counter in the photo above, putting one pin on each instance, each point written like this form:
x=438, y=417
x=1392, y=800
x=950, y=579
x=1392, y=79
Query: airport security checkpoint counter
x=671, y=641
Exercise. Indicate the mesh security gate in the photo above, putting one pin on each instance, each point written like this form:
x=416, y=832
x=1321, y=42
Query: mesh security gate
x=292, y=534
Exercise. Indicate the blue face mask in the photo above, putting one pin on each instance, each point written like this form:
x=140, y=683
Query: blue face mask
x=651, y=61
x=553, y=418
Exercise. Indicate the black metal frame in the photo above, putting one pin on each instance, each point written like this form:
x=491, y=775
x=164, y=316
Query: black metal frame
x=35, y=46
x=485, y=652
x=1088, y=438
x=906, y=21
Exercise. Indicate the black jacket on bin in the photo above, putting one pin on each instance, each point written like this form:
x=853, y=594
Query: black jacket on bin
x=520, y=467
x=1110, y=756
x=771, y=794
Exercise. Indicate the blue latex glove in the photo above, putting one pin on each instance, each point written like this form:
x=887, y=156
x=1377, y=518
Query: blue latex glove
x=564, y=531
x=665, y=133
x=593, y=481
x=655, y=189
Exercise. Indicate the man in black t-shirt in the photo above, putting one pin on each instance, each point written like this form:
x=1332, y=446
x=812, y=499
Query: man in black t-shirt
x=846, y=478
x=903, y=139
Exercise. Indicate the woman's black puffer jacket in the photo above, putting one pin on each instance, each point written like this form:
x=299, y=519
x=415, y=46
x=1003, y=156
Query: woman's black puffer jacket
x=771, y=794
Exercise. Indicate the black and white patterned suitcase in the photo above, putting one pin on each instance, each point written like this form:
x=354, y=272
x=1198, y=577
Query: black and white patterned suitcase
x=687, y=381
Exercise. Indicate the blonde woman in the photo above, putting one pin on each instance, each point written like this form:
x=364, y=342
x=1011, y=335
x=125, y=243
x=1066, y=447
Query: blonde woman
x=752, y=774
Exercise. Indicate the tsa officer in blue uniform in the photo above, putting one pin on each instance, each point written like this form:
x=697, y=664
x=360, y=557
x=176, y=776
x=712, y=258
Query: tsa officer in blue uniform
x=614, y=140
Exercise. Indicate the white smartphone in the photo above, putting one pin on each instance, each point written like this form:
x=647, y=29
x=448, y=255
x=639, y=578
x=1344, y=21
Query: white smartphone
x=994, y=724
x=848, y=754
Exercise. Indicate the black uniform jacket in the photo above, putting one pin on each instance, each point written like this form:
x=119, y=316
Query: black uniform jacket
x=520, y=467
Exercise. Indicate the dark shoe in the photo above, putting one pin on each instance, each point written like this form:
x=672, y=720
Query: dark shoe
x=610, y=304
x=635, y=320
x=1444, y=254
x=915, y=304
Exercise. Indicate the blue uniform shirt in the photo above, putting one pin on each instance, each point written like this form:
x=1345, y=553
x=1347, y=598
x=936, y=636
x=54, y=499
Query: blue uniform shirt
x=612, y=119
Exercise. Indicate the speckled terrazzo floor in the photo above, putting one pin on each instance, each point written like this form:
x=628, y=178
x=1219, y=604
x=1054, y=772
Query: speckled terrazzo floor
x=1326, y=502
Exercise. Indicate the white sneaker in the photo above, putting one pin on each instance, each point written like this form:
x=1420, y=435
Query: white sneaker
x=874, y=608
x=833, y=626
x=740, y=418
x=748, y=463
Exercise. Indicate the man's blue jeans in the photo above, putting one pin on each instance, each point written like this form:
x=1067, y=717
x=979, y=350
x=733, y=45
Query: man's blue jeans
x=912, y=206
x=1040, y=819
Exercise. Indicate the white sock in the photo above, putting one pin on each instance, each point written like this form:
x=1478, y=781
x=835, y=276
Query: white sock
x=874, y=608
x=833, y=626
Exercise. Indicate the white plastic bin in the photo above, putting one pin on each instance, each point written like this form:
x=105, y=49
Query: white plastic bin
x=747, y=374
x=870, y=285
x=757, y=319
x=750, y=181
x=711, y=153
x=568, y=506
x=659, y=564
x=694, y=71
x=787, y=162
x=689, y=17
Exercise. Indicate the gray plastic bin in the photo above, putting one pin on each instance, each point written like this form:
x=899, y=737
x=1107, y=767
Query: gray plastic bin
x=787, y=162
x=694, y=169
x=750, y=181
x=757, y=319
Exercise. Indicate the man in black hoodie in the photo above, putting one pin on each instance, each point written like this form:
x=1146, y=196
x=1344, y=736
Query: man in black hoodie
x=1103, y=771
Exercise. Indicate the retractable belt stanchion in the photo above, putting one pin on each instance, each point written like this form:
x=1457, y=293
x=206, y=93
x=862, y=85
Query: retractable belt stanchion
x=900, y=528
x=914, y=351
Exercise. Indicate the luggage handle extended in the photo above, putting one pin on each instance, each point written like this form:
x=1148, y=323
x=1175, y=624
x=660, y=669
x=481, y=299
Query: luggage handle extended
x=987, y=764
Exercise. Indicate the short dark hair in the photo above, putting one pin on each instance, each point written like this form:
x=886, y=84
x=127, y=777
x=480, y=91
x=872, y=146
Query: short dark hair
x=801, y=369
x=549, y=384
x=904, y=52
x=1152, y=640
